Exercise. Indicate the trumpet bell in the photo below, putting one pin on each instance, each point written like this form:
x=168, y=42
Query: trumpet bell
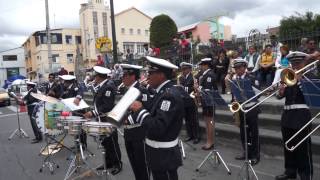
x=289, y=77
x=234, y=107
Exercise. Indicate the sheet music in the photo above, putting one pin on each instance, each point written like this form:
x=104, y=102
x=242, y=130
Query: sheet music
x=69, y=104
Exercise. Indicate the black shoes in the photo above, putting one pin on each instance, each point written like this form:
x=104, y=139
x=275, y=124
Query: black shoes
x=254, y=161
x=116, y=169
x=285, y=177
x=196, y=140
x=240, y=157
x=34, y=141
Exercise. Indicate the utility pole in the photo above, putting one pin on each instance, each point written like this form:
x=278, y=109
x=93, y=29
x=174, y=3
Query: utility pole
x=114, y=39
x=48, y=36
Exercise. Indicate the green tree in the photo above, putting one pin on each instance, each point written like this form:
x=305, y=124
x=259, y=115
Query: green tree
x=299, y=24
x=162, y=31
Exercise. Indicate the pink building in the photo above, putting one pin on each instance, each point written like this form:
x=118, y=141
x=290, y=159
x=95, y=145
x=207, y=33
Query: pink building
x=199, y=30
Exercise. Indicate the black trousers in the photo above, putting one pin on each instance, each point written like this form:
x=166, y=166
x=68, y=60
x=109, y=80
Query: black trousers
x=192, y=122
x=221, y=80
x=165, y=175
x=252, y=133
x=137, y=158
x=112, y=150
x=36, y=130
x=300, y=160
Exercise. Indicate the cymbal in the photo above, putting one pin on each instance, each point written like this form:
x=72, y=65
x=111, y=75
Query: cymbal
x=45, y=98
x=51, y=149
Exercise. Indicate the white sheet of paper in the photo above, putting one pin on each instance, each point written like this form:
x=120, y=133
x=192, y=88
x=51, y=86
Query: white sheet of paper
x=69, y=103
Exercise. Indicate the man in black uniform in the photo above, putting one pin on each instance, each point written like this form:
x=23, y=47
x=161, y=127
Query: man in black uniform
x=134, y=133
x=207, y=84
x=53, y=89
x=31, y=102
x=295, y=115
x=191, y=109
x=251, y=117
x=104, y=101
x=163, y=122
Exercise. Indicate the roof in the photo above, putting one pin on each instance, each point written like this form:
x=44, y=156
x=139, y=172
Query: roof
x=132, y=8
x=188, y=27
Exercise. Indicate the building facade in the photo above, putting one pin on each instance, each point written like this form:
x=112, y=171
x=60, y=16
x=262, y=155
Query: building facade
x=11, y=63
x=132, y=30
x=64, y=45
x=95, y=22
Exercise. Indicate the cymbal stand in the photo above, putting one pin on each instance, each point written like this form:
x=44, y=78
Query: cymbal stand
x=246, y=167
x=48, y=162
x=109, y=176
x=77, y=160
x=215, y=155
x=18, y=132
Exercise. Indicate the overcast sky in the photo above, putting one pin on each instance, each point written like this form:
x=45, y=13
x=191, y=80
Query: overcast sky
x=19, y=18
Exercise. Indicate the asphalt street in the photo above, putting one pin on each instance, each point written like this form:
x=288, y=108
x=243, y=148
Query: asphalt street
x=20, y=160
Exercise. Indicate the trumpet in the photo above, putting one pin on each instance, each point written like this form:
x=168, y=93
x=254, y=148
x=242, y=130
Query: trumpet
x=288, y=77
x=293, y=147
x=120, y=86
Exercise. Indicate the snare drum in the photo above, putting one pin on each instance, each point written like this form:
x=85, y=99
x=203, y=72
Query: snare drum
x=98, y=128
x=72, y=124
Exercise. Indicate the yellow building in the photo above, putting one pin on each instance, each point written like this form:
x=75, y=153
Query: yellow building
x=64, y=44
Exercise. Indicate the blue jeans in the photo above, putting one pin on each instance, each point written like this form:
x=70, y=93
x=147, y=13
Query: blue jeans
x=265, y=76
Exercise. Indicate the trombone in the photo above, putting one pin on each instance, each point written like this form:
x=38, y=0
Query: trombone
x=293, y=147
x=288, y=77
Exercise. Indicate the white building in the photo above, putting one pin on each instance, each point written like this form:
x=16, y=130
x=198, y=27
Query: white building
x=11, y=63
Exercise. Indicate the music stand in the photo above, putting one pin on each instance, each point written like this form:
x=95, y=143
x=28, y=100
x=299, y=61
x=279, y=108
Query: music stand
x=243, y=90
x=18, y=132
x=217, y=100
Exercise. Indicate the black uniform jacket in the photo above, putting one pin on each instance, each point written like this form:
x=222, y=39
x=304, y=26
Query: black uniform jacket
x=163, y=124
x=72, y=91
x=30, y=101
x=104, y=98
x=137, y=133
x=55, y=88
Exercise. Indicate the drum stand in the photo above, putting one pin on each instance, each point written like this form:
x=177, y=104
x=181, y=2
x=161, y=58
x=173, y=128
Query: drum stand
x=48, y=162
x=18, y=132
x=246, y=167
x=77, y=159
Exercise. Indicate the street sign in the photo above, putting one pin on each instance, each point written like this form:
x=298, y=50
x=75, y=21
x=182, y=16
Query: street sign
x=104, y=44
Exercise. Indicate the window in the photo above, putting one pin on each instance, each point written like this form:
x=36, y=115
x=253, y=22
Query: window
x=146, y=32
x=78, y=39
x=140, y=48
x=128, y=45
x=104, y=18
x=123, y=31
x=131, y=31
x=10, y=58
x=96, y=32
x=139, y=31
x=68, y=39
x=12, y=72
x=55, y=58
x=105, y=31
x=69, y=58
x=95, y=18
x=54, y=39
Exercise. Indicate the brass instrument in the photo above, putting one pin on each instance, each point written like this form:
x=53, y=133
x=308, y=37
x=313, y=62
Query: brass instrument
x=293, y=147
x=288, y=77
x=234, y=108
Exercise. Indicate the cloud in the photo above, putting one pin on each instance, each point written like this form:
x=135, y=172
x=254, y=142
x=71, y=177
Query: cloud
x=18, y=19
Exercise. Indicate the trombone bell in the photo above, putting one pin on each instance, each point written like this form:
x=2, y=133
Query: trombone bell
x=289, y=77
x=234, y=107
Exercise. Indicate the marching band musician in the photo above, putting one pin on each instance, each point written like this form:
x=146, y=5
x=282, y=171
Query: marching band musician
x=53, y=89
x=295, y=115
x=30, y=101
x=207, y=82
x=191, y=109
x=104, y=101
x=134, y=134
x=162, y=122
x=253, y=143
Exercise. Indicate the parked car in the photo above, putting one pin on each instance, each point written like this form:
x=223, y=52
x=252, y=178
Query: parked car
x=4, y=97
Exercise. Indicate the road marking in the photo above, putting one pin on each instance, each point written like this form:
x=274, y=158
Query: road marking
x=12, y=108
x=13, y=114
x=1, y=112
